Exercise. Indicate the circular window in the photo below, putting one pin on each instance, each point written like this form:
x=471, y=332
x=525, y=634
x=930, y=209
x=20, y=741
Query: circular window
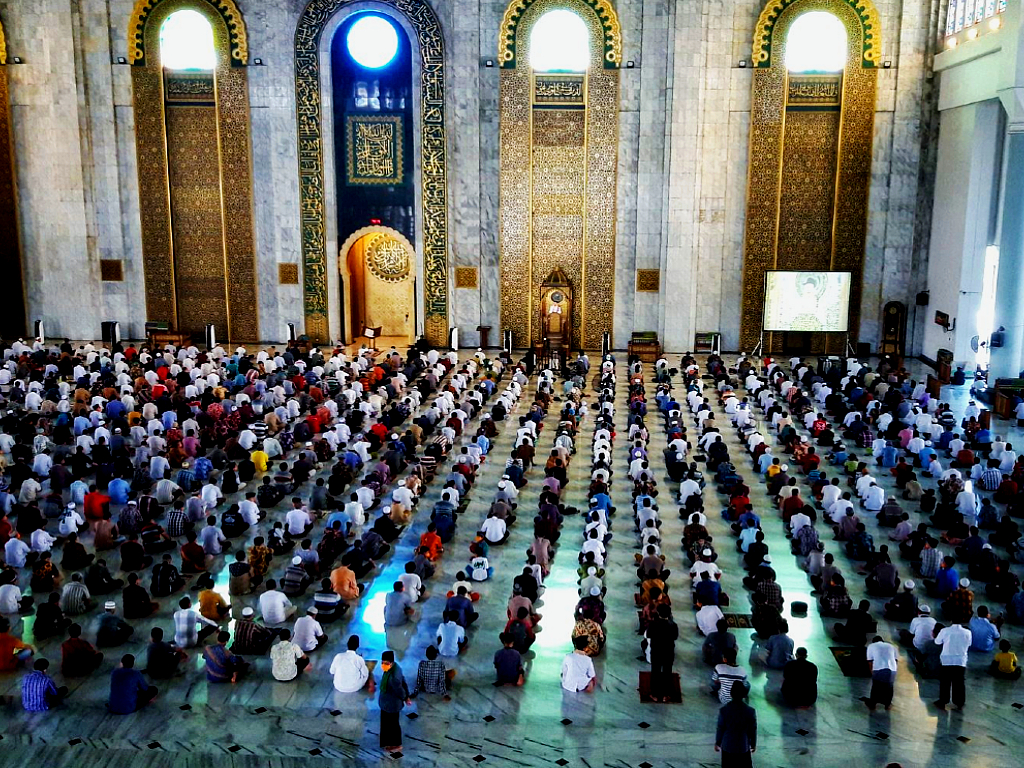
x=372, y=41
x=816, y=43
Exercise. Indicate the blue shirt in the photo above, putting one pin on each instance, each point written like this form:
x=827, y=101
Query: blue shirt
x=118, y=490
x=983, y=634
x=37, y=692
x=946, y=580
x=125, y=686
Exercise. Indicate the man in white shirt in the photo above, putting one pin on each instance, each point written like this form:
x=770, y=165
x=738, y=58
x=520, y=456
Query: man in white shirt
x=350, y=670
x=922, y=627
x=309, y=635
x=275, y=606
x=578, y=675
x=956, y=642
x=881, y=657
x=707, y=618
x=494, y=530
x=15, y=551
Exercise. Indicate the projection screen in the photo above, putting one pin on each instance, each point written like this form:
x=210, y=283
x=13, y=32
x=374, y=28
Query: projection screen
x=806, y=301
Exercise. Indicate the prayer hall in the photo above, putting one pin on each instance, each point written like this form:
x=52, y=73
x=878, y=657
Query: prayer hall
x=577, y=383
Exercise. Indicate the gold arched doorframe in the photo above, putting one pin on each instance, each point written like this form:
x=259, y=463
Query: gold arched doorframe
x=559, y=157
x=834, y=224
x=397, y=302
x=195, y=175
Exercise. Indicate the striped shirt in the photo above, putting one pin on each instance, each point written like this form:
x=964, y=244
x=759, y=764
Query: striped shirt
x=74, y=599
x=726, y=676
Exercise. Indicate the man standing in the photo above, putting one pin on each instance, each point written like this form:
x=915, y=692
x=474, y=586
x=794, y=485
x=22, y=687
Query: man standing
x=393, y=697
x=736, y=735
x=881, y=657
x=662, y=634
x=956, y=642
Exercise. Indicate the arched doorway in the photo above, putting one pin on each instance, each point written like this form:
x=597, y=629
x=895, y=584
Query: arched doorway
x=378, y=280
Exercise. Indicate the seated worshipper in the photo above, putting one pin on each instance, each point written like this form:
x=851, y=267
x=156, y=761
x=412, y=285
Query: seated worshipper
x=1004, y=664
x=78, y=657
x=984, y=632
x=432, y=676
x=329, y=603
x=858, y=624
x=520, y=630
x=50, y=619
x=508, y=663
x=129, y=691
x=99, y=580
x=75, y=598
x=835, y=600
x=578, y=675
x=494, y=530
x=716, y=643
x=726, y=676
x=110, y=629
x=479, y=569
x=162, y=658
x=350, y=670
x=451, y=636
x=884, y=579
x=287, y=658
x=222, y=666
x=800, y=681
x=397, y=606
x=590, y=607
x=707, y=617
x=959, y=606
x=309, y=635
x=275, y=606
x=779, y=648
x=903, y=607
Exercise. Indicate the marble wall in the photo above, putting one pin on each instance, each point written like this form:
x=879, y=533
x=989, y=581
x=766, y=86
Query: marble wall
x=682, y=163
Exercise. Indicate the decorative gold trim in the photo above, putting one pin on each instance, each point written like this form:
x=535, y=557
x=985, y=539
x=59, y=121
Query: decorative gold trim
x=852, y=160
x=433, y=162
x=397, y=175
x=612, y=37
x=648, y=280
x=538, y=209
x=3, y=44
x=237, y=35
x=867, y=15
x=466, y=277
x=288, y=273
x=234, y=184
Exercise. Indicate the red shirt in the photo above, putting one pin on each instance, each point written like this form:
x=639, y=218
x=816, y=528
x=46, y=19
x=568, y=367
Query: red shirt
x=95, y=505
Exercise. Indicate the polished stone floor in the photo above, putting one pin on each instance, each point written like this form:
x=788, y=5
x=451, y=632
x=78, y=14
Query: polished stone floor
x=266, y=723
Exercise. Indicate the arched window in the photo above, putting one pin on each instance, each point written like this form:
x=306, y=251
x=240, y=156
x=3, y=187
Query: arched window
x=816, y=43
x=559, y=42
x=186, y=42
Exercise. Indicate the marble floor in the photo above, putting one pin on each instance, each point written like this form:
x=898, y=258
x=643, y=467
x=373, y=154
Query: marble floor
x=260, y=722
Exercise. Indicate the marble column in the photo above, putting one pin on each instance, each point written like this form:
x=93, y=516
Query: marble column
x=1006, y=360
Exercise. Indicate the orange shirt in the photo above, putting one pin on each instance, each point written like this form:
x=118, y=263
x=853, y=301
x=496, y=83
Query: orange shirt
x=9, y=645
x=343, y=582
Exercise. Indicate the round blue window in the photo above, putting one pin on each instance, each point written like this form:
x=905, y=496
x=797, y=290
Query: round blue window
x=372, y=41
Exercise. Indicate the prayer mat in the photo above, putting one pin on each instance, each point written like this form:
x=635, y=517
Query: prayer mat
x=739, y=620
x=674, y=693
x=851, y=661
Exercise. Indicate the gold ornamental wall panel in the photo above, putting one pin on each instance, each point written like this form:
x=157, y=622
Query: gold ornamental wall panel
x=559, y=152
x=196, y=224
x=212, y=177
x=433, y=162
x=809, y=168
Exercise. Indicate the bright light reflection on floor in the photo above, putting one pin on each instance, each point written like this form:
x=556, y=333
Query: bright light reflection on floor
x=559, y=603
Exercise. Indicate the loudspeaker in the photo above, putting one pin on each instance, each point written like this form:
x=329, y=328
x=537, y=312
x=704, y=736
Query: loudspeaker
x=922, y=299
x=453, y=339
x=606, y=344
x=111, y=332
x=291, y=331
x=863, y=349
x=37, y=330
x=211, y=336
